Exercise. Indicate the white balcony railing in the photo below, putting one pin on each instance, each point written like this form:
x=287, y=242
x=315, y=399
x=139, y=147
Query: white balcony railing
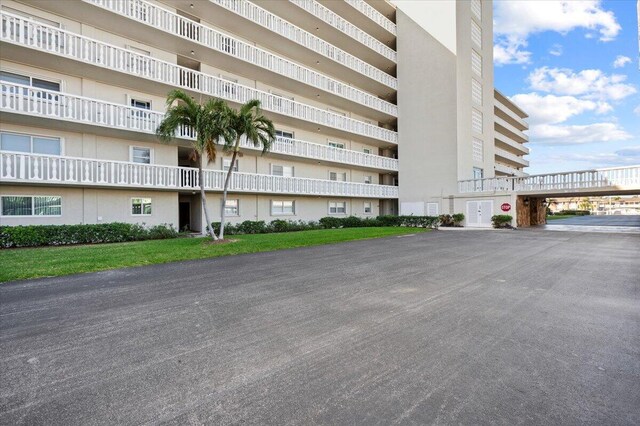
x=613, y=178
x=371, y=13
x=519, y=146
x=511, y=157
x=502, y=107
x=46, y=169
x=34, y=35
x=286, y=29
x=22, y=99
x=341, y=24
x=168, y=21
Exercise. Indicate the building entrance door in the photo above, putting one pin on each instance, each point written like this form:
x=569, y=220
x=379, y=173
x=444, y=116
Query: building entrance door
x=184, y=216
x=479, y=213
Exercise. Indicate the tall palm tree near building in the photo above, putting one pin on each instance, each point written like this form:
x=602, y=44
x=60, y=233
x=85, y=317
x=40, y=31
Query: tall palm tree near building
x=248, y=122
x=209, y=122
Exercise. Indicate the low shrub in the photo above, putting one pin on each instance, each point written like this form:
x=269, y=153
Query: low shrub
x=501, y=221
x=574, y=212
x=446, y=220
x=329, y=222
x=458, y=218
x=58, y=235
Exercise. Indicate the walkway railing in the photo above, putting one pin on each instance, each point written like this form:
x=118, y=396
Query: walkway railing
x=45, y=169
x=371, y=13
x=50, y=104
x=32, y=34
x=168, y=21
x=616, y=177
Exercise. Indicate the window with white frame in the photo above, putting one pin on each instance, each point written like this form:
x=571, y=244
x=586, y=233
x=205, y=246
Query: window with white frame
x=367, y=207
x=337, y=207
x=279, y=170
x=232, y=208
x=140, y=106
x=478, y=150
x=140, y=155
x=476, y=62
x=476, y=34
x=31, y=205
x=476, y=91
x=367, y=179
x=478, y=173
x=367, y=150
x=34, y=82
x=19, y=142
x=141, y=206
x=283, y=134
x=226, y=163
x=476, y=121
x=283, y=207
x=338, y=176
x=336, y=144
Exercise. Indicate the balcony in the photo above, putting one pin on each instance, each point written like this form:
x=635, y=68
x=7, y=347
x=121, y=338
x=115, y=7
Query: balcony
x=185, y=35
x=366, y=17
x=291, y=40
x=510, y=144
x=513, y=118
x=518, y=161
x=71, y=112
x=54, y=170
x=508, y=129
x=321, y=21
x=64, y=44
x=507, y=170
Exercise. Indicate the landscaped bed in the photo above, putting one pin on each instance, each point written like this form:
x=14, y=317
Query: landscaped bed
x=55, y=261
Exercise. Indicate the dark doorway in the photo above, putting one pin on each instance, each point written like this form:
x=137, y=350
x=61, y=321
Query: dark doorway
x=185, y=216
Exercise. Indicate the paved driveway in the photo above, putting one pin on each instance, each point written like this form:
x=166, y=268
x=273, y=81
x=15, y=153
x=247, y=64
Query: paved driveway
x=469, y=327
x=611, y=220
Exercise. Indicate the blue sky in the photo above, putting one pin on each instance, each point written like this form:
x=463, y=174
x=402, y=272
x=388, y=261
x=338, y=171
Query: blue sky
x=565, y=63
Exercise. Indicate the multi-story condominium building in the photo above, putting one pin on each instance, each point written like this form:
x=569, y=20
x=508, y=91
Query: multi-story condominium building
x=375, y=114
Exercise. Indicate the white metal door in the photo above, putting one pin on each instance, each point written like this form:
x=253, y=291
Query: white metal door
x=479, y=213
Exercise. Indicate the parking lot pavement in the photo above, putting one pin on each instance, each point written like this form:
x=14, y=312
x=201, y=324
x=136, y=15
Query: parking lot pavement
x=469, y=327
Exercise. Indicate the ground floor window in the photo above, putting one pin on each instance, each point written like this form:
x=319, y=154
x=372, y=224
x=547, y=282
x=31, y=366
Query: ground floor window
x=141, y=206
x=232, y=208
x=337, y=207
x=367, y=207
x=31, y=205
x=282, y=207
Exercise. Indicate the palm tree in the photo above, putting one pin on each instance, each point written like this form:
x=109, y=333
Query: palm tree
x=210, y=123
x=249, y=122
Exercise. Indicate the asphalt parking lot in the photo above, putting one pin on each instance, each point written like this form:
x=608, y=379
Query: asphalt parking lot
x=470, y=327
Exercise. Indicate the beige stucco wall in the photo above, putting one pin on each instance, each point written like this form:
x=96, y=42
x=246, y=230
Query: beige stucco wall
x=427, y=126
x=93, y=205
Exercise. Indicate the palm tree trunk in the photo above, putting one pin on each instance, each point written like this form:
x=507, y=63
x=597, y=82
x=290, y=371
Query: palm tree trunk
x=236, y=148
x=204, y=203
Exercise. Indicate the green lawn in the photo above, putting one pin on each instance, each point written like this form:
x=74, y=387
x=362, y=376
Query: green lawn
x=56, y=261
x=561, y=216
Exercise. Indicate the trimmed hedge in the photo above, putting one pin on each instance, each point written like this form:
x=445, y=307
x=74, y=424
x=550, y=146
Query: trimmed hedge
x=329, y=222
x=58, y=235
x=501, y=221
x=574, y=212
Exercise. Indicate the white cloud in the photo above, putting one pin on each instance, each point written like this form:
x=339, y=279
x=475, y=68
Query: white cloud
x=591, y=84
x=577, y=134
x=556, y=50
x=551, y=109
x=636, y=110
x=621, y=61
x=515, y=21
x=622, y=157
